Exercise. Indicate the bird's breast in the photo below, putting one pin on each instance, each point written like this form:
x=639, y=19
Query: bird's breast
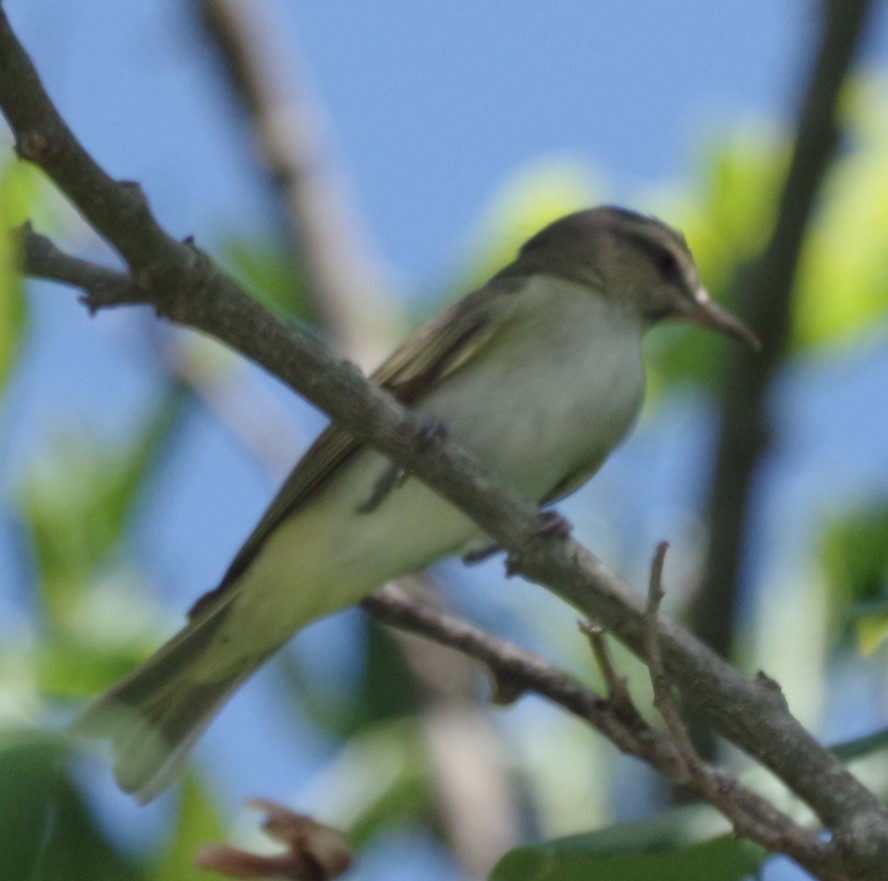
x=554, y=396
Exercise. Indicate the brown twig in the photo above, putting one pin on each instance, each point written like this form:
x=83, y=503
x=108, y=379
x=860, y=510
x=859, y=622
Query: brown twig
x=659, y=678
x=182, y=284
x=516, y=672
x=718, y=788
x=617, y=685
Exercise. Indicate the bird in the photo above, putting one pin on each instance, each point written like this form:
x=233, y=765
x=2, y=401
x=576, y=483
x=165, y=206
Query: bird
x=538, y=373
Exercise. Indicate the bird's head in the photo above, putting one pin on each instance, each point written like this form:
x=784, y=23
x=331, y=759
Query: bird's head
x=635, y=258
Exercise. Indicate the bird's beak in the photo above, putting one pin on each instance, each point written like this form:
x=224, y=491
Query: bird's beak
x=707, y=314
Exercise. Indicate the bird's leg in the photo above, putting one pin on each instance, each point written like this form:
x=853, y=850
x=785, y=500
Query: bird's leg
x=394, y=477
x=553, y=525
x=430, y=432
x=478, y=555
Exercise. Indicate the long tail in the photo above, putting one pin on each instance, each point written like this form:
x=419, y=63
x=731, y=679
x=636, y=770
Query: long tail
x=155, y=715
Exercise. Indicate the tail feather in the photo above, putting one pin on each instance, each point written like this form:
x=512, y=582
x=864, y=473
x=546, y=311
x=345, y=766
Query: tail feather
x=156, y=715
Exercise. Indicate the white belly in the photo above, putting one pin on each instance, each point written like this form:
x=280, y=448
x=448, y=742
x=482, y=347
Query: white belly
x=553, y=405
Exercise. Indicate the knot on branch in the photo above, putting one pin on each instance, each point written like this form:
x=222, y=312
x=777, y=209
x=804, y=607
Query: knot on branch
x=771, y=691
x=135, y=200
x=34, y=146
x=551, y=526
x=178, y=282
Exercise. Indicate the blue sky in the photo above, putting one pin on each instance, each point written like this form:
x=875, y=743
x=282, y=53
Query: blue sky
x=432, y=105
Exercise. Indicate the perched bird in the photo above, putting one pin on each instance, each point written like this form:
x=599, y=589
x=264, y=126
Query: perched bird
x=539, y=373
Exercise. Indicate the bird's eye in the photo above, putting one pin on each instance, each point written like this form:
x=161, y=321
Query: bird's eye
x=667, y=266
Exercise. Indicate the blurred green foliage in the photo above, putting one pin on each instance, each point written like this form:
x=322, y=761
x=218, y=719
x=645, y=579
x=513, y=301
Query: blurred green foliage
x=855, y=560
x=271, y=274
x=18, y=193
x=47, y=830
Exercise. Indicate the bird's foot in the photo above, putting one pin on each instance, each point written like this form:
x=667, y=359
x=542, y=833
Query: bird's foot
x=551, y=525
x=392, y=478
x=554, y=525
x=430, y=431
x=479, y=554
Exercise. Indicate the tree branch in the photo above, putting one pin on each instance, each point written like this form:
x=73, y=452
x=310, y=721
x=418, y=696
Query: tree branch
x=516, y=671
x=764, y=295
x=183, y=284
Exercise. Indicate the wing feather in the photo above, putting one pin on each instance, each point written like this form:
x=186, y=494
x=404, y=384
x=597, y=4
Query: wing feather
x=428, y=355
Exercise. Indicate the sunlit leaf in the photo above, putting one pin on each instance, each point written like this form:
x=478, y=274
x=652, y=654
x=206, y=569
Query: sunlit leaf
x=855, y=552
x=872, y=632
x=18, y=192
x=530, y=199
x=843, y=284
x=855, y=561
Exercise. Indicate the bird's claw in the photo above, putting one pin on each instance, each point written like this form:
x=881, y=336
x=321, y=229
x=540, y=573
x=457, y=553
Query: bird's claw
x=554, y=525
x=430, y=431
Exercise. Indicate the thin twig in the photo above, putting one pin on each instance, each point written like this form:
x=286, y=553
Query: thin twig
x=715, y=786
x=517, y=671
x=617, y=685
x=659, y=679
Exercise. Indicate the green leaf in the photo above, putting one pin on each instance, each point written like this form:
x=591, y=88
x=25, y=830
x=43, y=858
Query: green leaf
x=18, y=191
x=843, y=277
x=668, y=847
x=271, y=272
x=197, y=824
x=855, y=562
x=388, y=690
x=47, y=833
x=536, y=195
x=77, y=505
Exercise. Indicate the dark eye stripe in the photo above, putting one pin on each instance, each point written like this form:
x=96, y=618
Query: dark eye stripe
x=664, y=260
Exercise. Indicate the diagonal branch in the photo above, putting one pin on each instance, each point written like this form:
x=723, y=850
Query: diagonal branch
x=184, y=285
x=517, y=671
